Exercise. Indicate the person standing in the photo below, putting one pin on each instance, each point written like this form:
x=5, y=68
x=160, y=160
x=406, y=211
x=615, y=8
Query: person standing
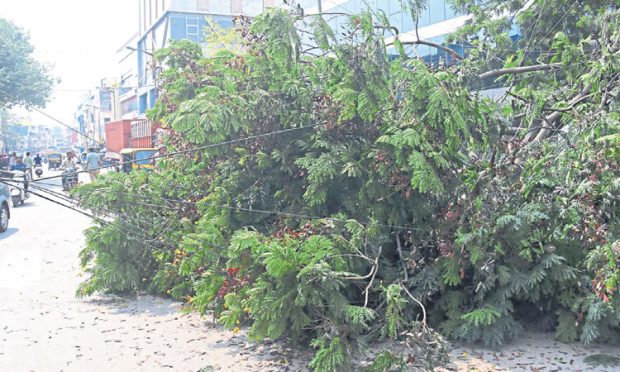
x=12, y=160
x=38, y=160
x=28, y=162
x=93, y=162
x=158, y=156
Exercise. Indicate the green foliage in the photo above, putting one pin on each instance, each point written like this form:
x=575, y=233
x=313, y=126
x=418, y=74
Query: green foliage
x=387, y=361
x=387, y=182
x=395, y=304
x=331, y=356
x=24, y=81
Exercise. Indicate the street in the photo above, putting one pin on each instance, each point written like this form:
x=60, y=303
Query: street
x=44, y=327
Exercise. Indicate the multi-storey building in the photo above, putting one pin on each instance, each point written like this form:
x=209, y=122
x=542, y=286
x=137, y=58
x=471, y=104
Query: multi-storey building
x=95, y=110
x=159, y=23
x=162, y=21
x=436, y=21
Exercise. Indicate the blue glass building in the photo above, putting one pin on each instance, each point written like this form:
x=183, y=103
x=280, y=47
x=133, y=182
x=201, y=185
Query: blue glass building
x=163, y=21
x=436, y=21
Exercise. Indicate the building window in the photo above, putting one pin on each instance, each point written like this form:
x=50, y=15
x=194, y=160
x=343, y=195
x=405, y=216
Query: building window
x=177, y=27
x=143, y=103
x=152, y=97
x=191, y=28
x=129, y=106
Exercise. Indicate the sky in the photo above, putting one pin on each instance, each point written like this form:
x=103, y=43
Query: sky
x=79, y=39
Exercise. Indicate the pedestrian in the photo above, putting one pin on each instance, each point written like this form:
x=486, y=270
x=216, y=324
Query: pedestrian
x=12, y=160
x=28, y=160
x=29, y=163
x=38, y=160
x=93, y=162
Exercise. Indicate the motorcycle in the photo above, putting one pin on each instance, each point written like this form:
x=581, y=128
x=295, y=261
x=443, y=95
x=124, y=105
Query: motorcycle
x=19, y=193
x=38, y=170
x=69, y=178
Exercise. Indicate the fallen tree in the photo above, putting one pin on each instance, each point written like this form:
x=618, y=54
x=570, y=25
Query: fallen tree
x=333, y=198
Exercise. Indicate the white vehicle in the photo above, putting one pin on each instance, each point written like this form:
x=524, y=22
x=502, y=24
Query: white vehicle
x=5, y=213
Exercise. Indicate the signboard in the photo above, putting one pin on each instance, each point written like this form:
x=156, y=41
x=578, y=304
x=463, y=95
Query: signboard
x=105, y=100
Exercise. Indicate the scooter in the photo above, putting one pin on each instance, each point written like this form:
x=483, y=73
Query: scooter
x=38, y=170
x=20, y=193
x=69, y=179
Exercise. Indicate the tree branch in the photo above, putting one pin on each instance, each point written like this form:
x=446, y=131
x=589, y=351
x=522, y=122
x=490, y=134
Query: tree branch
x=418, y=302
x=431, y=44
x=555, y=116
x=376, y=268
x=518, y=70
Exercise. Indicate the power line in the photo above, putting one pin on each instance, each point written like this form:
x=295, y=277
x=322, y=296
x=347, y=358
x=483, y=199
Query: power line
x=53, y=118
x=139, y=232
x=195, y=149
x=274, y=212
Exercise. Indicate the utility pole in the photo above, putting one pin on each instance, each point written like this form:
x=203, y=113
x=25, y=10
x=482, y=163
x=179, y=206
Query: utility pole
x=320, y=6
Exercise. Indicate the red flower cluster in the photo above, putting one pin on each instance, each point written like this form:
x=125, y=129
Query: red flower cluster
x=232, y=283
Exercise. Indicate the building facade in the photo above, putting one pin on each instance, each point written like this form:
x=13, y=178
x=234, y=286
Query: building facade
x=162, y=21
x=95, y=110
x=436, y=21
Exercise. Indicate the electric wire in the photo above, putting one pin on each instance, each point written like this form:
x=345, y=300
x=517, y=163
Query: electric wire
x=133, y=229
x=128, y=229
x=195, y=149
x=53, y=118
x=278, y=213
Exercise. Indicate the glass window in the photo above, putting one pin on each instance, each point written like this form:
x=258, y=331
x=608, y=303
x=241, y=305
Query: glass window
x=143, y=100
x=225, y=22
x=152, y=97
x=177, y=27
x=437, y=11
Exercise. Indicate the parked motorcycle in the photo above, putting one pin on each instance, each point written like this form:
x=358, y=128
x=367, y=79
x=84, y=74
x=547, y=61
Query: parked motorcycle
x=38, y=170
x=69, y=178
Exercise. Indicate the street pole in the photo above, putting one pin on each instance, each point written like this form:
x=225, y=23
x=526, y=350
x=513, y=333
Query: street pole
x=320, y=6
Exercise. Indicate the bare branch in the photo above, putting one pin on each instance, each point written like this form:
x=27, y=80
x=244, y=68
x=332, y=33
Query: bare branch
x=555, y=116
x=430, y=43
x=375, y=268
x=418, y=302
x=518, y=70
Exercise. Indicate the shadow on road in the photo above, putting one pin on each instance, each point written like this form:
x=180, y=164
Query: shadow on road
x=136, y=305
x=10, y=231
x=22, y=206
